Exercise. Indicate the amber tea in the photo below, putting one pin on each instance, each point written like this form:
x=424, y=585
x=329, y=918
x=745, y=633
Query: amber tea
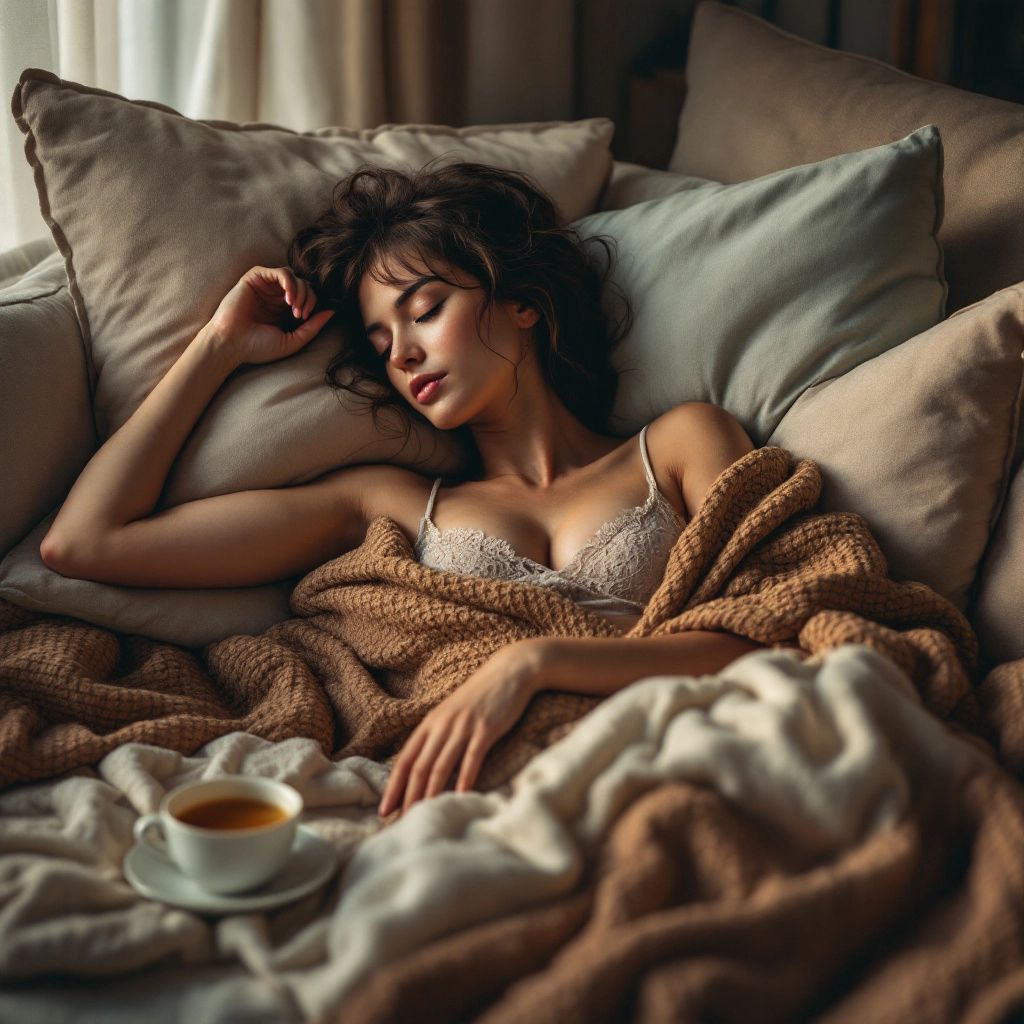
x=231, y=813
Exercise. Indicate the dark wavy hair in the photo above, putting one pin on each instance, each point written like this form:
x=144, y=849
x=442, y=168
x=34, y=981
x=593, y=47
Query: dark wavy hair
x=501, y=229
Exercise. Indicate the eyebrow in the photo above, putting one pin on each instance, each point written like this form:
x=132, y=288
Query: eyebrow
x=405, y=296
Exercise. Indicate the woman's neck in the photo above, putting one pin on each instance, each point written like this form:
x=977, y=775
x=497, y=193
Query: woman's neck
x=536, y=439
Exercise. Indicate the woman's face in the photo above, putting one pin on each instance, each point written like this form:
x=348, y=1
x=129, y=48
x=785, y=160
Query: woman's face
x=424, y=327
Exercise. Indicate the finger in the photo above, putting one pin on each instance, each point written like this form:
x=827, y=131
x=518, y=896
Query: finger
x=473, y=760
x=308, y=330
x=299, y=305
x=273, y=284
x=400, y=771
x=286, y=279
x=420, y=770
x=310, y=299
x=445, y=763
x=264, y=280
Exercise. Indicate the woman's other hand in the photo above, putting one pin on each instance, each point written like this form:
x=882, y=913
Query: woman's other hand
x=464, y=726
x=267, y=315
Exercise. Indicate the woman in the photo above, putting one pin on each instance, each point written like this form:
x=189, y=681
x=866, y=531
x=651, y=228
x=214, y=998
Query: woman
x=461, y=292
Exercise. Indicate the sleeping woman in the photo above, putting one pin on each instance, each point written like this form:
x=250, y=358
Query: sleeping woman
x=463, y=295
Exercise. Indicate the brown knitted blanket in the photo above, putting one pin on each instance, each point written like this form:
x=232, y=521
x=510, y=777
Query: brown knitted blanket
x=379, y=639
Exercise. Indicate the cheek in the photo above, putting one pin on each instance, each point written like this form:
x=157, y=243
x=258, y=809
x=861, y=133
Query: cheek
x=476, y=337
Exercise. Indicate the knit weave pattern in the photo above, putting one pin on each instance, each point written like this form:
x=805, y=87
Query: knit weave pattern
x=378, y=639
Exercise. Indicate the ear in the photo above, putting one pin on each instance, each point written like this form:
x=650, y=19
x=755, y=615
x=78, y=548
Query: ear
x=523, y=315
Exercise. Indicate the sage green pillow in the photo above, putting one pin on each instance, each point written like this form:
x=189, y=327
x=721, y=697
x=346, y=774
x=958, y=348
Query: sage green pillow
x=746, y=295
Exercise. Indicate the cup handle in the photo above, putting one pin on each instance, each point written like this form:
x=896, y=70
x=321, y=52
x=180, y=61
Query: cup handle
x=144, y=830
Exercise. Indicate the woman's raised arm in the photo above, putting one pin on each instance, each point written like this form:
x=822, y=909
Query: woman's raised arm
x=106, y=529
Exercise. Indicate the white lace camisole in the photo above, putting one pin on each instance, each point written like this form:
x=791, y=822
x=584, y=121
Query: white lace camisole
x=615, y=572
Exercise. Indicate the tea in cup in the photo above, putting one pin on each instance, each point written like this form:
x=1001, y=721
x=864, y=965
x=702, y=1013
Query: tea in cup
x=227, y=834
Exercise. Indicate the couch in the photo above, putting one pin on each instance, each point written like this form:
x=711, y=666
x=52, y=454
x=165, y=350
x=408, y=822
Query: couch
x=834, y=254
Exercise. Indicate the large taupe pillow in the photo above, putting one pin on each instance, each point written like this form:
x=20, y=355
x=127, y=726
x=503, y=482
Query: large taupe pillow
x=760, y=99
x=745, y=295
x=920, y=441
x=45, y=418
x=158, y=215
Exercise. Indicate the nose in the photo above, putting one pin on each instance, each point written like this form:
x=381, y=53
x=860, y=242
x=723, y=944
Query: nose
x=404, y=351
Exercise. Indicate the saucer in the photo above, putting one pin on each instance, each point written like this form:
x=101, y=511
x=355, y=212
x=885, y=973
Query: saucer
x=311, y=862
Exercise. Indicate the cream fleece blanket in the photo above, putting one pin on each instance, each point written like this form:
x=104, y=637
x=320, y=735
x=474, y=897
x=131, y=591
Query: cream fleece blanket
x=828, y=755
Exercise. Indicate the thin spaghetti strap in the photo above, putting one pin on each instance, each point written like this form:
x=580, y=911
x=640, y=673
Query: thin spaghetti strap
x=647, y=460
x=430, y=500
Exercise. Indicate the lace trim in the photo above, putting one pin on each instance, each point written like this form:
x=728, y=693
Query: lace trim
x=637, y=513
x=623, y=560
x=617, y=568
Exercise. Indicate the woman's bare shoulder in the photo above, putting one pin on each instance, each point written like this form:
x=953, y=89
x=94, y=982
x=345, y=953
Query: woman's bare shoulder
x=702, y=421
x=693, y=443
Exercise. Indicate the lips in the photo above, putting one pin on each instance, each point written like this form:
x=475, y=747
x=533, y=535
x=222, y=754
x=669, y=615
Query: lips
x=425, y=386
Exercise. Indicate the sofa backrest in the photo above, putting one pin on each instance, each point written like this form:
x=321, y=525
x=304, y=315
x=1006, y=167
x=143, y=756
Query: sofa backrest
x=760, y=99
x=48, y=431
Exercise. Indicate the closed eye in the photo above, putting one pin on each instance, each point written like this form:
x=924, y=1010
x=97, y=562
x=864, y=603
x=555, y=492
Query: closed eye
x=429, y=315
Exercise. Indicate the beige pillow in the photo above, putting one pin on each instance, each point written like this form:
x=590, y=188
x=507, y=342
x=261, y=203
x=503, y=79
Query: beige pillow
x=920, y=440
x=631, y=183
x=187, y=617
x=760, y=99
x=158, y=215
x=745, y=295
x=999, y=608
x=47, y=426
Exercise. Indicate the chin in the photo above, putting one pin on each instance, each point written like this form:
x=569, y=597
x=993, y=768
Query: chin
x=443, y=421
x=445, y=418
x=438, y=420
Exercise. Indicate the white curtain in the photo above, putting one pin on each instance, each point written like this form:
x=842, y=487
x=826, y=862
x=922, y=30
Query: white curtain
x=303, y=64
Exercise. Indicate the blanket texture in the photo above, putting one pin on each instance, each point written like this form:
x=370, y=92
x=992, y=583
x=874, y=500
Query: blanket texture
x=379, y=639
x=663, y=861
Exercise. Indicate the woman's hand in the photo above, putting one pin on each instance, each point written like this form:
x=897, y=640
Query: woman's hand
x=266, y=315
x=465, y=725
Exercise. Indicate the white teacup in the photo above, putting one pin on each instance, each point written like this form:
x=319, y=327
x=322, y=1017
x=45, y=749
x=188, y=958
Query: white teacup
x=227, y=834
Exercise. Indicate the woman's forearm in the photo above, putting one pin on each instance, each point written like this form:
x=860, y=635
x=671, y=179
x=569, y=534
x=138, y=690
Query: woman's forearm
x=599, y=666
x=123, y=480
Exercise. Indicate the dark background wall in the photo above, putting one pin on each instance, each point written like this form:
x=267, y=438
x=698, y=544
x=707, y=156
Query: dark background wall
x=630, y=53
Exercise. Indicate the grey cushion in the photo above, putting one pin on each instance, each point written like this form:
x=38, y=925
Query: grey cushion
x=151, y=246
